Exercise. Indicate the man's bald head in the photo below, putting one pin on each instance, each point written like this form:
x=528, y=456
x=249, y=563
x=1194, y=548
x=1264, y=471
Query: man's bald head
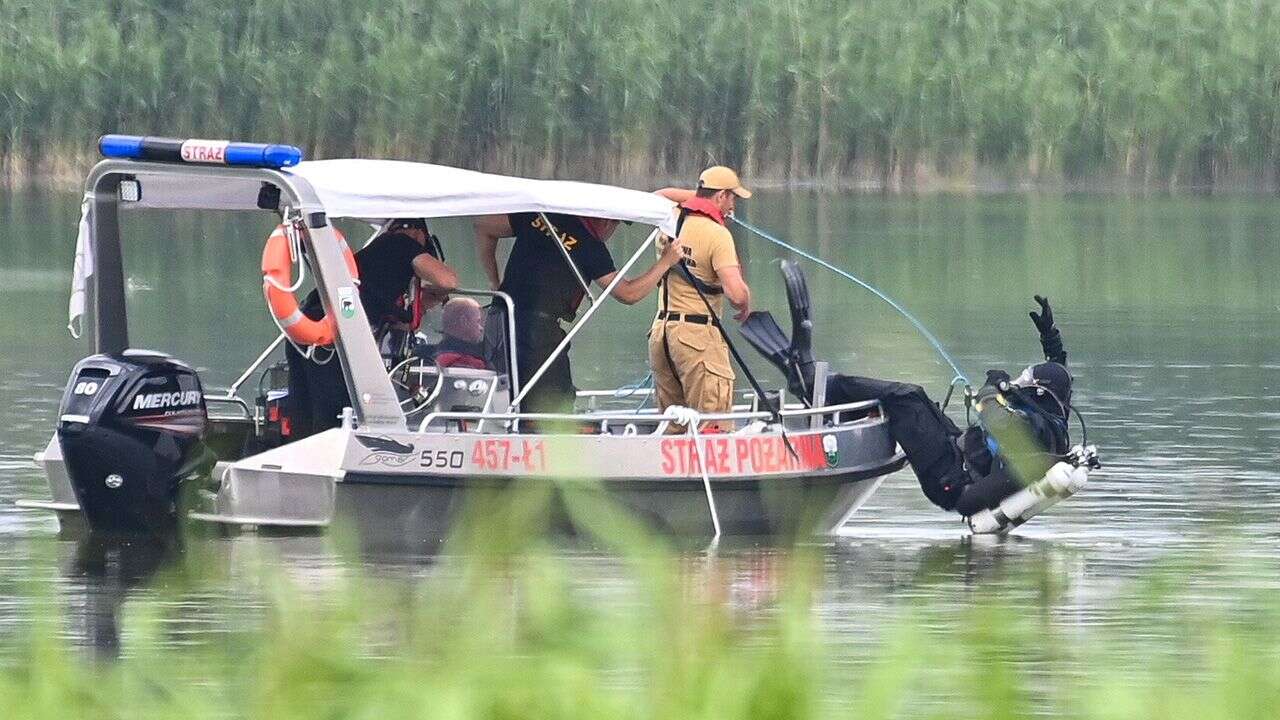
x=463, y=319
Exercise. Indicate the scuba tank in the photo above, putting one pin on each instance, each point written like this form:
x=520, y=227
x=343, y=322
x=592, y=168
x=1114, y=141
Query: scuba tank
x=1063, y=480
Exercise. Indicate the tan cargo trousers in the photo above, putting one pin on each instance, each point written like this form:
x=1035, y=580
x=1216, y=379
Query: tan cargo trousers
x=691, y=367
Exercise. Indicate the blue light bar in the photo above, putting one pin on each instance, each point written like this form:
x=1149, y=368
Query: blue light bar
x=120, y=146
x=199, y=152
x=259, y=155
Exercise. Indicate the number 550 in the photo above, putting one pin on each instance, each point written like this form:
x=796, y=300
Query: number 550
x=442, y=459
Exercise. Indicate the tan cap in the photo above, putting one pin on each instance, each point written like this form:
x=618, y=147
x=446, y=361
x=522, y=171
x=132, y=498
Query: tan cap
x=720, y=177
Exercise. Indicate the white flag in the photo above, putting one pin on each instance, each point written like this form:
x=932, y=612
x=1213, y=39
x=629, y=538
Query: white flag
x=82, y=272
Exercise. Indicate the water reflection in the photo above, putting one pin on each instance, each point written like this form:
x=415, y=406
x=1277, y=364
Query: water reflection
x=103, y=574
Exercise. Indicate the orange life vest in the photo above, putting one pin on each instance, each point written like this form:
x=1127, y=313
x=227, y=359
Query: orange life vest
x=702, y=206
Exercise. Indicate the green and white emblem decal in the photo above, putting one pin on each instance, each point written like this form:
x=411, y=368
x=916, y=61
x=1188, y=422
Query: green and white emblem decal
x=347, y=301
x=832, y=449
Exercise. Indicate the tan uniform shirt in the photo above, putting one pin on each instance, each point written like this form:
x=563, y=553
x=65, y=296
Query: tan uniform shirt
x=708, y=248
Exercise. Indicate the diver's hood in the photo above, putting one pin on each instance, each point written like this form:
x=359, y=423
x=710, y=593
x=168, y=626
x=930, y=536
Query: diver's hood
x=1047, y=378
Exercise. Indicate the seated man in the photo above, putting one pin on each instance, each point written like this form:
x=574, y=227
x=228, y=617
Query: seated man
x=1021, y=430
x=462, y=325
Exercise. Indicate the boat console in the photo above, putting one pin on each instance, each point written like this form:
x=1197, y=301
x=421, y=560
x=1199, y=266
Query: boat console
x=426, y=387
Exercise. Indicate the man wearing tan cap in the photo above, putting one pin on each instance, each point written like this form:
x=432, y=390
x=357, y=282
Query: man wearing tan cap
x=688, y=354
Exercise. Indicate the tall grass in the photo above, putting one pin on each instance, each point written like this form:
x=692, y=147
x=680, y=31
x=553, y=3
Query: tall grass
x=502, y=629
x=1176, y=93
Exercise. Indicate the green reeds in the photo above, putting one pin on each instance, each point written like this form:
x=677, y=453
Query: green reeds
x=1179, y=93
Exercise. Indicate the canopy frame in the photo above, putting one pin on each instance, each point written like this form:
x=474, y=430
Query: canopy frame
x=100, y=262
x=374, y=400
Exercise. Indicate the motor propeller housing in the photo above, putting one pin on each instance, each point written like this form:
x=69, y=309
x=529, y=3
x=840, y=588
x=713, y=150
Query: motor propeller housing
x=131, y=428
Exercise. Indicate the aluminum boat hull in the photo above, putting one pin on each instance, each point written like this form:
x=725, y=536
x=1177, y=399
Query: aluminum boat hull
x=387, y=510
x=381, y=483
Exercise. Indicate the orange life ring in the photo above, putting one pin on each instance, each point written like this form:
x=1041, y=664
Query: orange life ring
x=278, y=266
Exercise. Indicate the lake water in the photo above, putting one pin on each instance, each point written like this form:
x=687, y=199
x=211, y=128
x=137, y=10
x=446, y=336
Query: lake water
x=1169, y=309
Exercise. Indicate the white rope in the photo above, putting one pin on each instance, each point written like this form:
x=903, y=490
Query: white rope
x=302, y=274
x=691, y=418
x=295, y=258
x=312, y=355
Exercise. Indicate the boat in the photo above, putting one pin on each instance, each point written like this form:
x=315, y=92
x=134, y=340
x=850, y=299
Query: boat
x=417, y=439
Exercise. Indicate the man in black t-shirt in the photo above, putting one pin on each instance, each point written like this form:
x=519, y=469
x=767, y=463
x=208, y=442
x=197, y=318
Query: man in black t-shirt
x=387, y=265
x=545, y=290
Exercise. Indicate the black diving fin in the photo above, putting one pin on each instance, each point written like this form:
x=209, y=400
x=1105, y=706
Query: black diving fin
x=766, y=336
x=801, y=318
x=800, y=377
x=792, y=356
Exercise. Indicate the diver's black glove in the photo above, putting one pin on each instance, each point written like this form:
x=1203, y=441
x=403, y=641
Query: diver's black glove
x=1043, y=319
x=1050, y=337
x=996, y=377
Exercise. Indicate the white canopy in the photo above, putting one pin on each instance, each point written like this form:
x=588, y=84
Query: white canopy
x=387, y=189
x=380, y=189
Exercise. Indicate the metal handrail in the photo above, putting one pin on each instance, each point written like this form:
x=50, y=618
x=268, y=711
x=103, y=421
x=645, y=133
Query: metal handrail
x=232, y=400
x=644, y=417
x=235, y=386
x=615, y=393
x=623, y=393
x=592, y=398
x=651, y=414
x=582, y=321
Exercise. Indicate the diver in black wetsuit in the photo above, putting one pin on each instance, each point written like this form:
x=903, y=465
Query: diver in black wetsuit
x=1021, y=430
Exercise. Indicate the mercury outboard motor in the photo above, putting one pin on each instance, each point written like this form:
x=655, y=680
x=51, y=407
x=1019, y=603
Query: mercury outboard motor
x=132, y=431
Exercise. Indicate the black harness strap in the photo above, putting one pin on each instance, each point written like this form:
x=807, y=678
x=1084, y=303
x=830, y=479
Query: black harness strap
x=434, y=243
x=666, y=308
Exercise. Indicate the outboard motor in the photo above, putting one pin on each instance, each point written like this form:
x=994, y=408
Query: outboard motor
x=132, y=431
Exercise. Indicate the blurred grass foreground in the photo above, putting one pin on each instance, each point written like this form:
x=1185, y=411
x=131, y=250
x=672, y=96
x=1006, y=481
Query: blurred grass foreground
x=498, y=630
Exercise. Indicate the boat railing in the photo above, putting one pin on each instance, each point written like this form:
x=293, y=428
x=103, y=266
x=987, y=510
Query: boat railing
x=632, y=418
x=593, y=398
x=738, y=408
x=231, y=401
